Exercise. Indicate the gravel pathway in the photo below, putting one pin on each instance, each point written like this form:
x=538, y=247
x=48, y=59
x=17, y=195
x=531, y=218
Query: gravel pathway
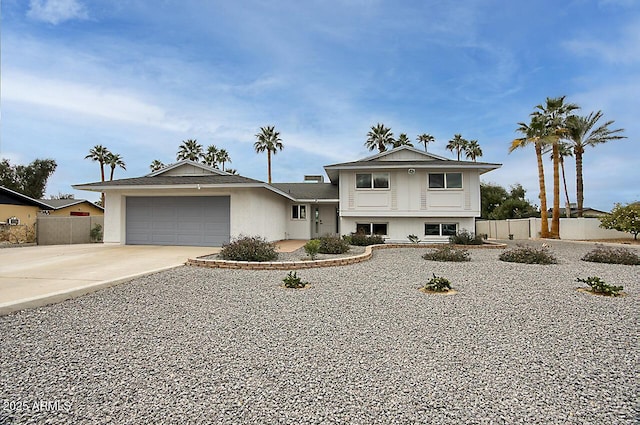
x=517, y=345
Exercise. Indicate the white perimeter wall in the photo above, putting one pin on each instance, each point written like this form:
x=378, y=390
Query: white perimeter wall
x=570, y=229
x=254, y=211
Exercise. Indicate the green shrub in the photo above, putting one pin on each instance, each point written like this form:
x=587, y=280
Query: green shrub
x=293, y=281
x=413, y=238
x=447, y=253
x=599, y=286
x=612, y=255
x=333, y=245
x=465, y=238
x=360, y=239
x=312, y=248
x=249, y=248
x=437, y=284
x=528, y=255
x=96, y=233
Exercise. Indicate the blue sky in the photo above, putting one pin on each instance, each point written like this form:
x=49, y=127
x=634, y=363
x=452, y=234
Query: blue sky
x=140, y=76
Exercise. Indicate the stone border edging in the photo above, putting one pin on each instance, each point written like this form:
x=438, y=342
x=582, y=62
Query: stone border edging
x=309, y=264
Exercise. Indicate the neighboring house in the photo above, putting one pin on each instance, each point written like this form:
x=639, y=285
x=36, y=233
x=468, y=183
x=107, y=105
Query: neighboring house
x=396, y=193
x=16, y=208
x=71, y=207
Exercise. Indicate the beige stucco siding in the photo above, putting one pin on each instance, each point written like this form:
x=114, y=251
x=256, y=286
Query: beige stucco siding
x=25, y=213
x=83, y=207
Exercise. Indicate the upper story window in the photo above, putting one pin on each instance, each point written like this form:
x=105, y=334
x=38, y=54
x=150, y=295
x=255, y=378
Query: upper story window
x=299, y=212
x=445, y=180
x=372, y=181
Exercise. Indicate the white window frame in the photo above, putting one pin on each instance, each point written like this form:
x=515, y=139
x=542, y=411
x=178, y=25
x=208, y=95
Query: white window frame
x=373, y=180
x=446, y=187
x=371, y=224
x=301, y=212
x=440, y=228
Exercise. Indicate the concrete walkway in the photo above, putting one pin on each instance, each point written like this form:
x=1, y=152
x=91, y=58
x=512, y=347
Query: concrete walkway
x=39, y=275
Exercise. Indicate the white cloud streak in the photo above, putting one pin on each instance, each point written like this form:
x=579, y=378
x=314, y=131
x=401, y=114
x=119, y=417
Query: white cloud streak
x=56, y=11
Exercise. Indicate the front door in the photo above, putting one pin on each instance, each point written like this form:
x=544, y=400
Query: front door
x=324, y=220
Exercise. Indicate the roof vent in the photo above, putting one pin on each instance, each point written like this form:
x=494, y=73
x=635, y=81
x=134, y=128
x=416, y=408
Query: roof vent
x=411, y=171
x=314, y=179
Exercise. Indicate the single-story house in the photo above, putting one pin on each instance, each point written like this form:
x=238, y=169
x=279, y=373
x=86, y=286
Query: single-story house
x=395, y=193
x=71, y=207
x=16, y=208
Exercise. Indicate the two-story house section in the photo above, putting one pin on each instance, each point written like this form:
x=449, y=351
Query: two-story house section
x=405, y=191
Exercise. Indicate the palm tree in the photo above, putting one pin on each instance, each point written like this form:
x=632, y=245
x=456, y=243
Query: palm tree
x=210, y=157
x=553, y=114
x=582, y=134
x=156, y=165
x=190, y=149
x=223, y=157
x=99, y=153
x=115, y=160
x=457, y=143
x=564, y=150
x=425, y=138
x=379, y=137
x=268, y=140
x=403, y=140
x=533, y=133
x=232, y=171
x=473, y=150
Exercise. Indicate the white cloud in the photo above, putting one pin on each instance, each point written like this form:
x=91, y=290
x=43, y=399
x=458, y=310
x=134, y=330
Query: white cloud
x=623, y=50
x=84, y=99
x=56, y=11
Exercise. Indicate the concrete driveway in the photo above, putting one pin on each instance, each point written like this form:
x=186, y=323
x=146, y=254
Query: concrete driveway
x=39, y=275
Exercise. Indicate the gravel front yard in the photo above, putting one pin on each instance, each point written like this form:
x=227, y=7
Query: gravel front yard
x=517, y=345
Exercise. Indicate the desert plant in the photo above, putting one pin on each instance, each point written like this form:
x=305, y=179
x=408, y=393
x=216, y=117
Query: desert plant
x=360, y=239
x=599, y=286
x=249, y=248
x=333, y=245
x=312, y=248
x=447, y=253
x=293, y=281
x=413, y=238
x=465, y=238
x=612, y=255
x=437, y=284
x=528, y=255
x=96, y=233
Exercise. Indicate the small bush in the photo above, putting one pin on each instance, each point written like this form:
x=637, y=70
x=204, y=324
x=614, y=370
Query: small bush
x=413, y=238
x=293, y=281
x=437, y=284
x=249, y=248
x=528, y=255
x=333, y=245
x=465, y=238
x=612, y=255
x=599, y=286
x=312, y=248
x=447, y=253
x=360, y=239
x=96, y=233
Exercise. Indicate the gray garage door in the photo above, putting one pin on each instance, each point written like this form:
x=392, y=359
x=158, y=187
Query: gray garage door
x=178, y=220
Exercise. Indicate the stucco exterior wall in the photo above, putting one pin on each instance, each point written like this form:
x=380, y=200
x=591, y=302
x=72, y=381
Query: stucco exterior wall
x=25, y=213
x=298, y=228
x=398, y=228
x=83, y=207
x=254, y=211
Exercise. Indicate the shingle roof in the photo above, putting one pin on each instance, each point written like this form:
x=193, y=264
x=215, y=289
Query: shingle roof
x=322, y=191
x=62, y=203
x=161, y=180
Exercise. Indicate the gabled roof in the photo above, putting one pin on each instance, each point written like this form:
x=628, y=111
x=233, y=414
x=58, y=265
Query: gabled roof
x=405, y=157
x=310, y=191
x=159, y=180
x=203, y=167
x=8, y=196
x=56, y=204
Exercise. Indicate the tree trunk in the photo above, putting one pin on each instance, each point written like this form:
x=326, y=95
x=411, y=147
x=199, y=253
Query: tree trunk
x=555, y=216
x=269, y=164
x=566, y=191
x=579, y=181
x=544, y=229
